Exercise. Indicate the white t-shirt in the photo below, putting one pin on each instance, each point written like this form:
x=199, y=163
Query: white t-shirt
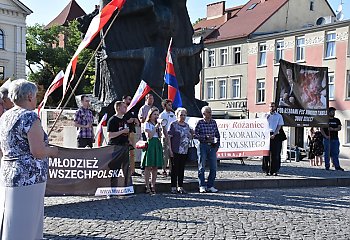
x=169, y=116
x=150, y=127
x=275, y=119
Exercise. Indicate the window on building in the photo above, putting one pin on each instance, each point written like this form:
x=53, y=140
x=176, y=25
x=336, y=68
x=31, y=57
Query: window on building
x=262, y=54
x=222, y=87
x=260, y=91
x=347, y=124
x=223, y=56
x=252, y=6
x=211, y=58
x=330, y=45
x=300, y=49
x=312, y=5
x=279, y=50
x=237, y=55
x=331, y=86
x=2, y=73
x=236, y=88
x=2, y=39
x=210, y=89
x=348, y=84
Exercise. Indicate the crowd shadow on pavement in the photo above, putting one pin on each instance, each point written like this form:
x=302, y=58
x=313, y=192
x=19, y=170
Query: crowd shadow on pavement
x=161, y=207
x=74, y=237
x=137, y=207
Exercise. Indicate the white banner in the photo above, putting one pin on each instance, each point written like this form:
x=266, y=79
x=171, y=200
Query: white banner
x=241, y=137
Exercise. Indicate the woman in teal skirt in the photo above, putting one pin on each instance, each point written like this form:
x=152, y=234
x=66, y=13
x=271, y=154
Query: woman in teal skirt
x=153, y=158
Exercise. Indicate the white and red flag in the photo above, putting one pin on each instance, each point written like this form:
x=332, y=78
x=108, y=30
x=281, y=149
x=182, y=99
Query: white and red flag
x=99, y=130
x=97, y=23
x=56, y=83
x=141, y=92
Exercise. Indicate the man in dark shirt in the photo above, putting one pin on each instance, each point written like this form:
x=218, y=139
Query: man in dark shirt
x=131, y=119
x=117, y=127
x=331, y=141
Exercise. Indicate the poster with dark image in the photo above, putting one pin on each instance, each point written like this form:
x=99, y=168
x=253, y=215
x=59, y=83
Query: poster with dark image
x=82, y=171
x=302, y=94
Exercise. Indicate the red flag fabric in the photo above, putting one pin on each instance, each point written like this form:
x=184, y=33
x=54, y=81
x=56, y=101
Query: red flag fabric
x=97, y=23
x=99, y=130
x=56, y=83
x=141, y=91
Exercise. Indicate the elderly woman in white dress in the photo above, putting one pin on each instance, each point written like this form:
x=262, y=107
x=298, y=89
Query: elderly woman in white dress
x=24, y=166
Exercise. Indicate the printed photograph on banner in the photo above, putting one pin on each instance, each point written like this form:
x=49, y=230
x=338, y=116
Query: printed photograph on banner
x=302, y=94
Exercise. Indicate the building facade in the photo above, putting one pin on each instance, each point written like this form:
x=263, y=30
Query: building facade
x=240, y=60
x=13, y=16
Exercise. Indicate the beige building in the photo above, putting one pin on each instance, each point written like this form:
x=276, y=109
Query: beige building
x=13, y=15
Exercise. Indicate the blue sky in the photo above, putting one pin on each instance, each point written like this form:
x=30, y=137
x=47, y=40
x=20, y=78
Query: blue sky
x=45, y=11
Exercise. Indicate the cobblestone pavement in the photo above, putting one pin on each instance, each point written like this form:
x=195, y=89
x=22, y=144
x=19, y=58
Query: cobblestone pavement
x=305, y=213
x=233, y=169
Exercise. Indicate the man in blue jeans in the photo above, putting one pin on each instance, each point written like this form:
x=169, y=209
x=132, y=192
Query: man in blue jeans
x=331, y=140
x=207, y=133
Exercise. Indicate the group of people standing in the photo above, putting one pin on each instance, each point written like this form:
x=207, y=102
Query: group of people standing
x=168, y=145
x=322, y=142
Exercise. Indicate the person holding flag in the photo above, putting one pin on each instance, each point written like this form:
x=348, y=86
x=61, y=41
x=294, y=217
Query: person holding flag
x=117, y=126
x=169, y=116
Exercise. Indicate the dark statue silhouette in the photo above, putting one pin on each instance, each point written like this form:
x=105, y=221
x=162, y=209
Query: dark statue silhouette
x=135, y=48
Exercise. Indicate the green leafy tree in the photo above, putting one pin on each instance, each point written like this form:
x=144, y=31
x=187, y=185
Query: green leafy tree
x=197, y=21
x=45, y=58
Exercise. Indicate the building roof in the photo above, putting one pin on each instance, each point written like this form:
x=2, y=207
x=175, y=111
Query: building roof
x=217, y=22
x=69, y=13
x=25, y=9
x=249, y=18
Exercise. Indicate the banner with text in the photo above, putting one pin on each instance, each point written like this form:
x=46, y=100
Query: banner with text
x=241, y=137
x=84, y=171
x=302, y=94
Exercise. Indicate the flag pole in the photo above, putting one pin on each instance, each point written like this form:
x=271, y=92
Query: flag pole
x=82, y=74
x=157, y=94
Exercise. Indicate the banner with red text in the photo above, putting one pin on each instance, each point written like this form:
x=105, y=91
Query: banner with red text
x=83, y=171
x=241, y=137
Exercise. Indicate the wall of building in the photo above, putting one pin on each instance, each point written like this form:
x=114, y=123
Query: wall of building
x=13, y=24
x=229, y=106
x=286, y=18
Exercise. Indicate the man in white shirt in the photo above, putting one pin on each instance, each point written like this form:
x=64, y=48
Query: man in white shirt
x=272, y=163
x=149, y=100
x=169, y=116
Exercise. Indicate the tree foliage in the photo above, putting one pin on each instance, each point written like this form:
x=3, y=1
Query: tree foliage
x=197, y=21
x=45, y=58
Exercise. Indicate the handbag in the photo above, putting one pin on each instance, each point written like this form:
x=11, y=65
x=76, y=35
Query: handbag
x=192, y=152
x=141, y=145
